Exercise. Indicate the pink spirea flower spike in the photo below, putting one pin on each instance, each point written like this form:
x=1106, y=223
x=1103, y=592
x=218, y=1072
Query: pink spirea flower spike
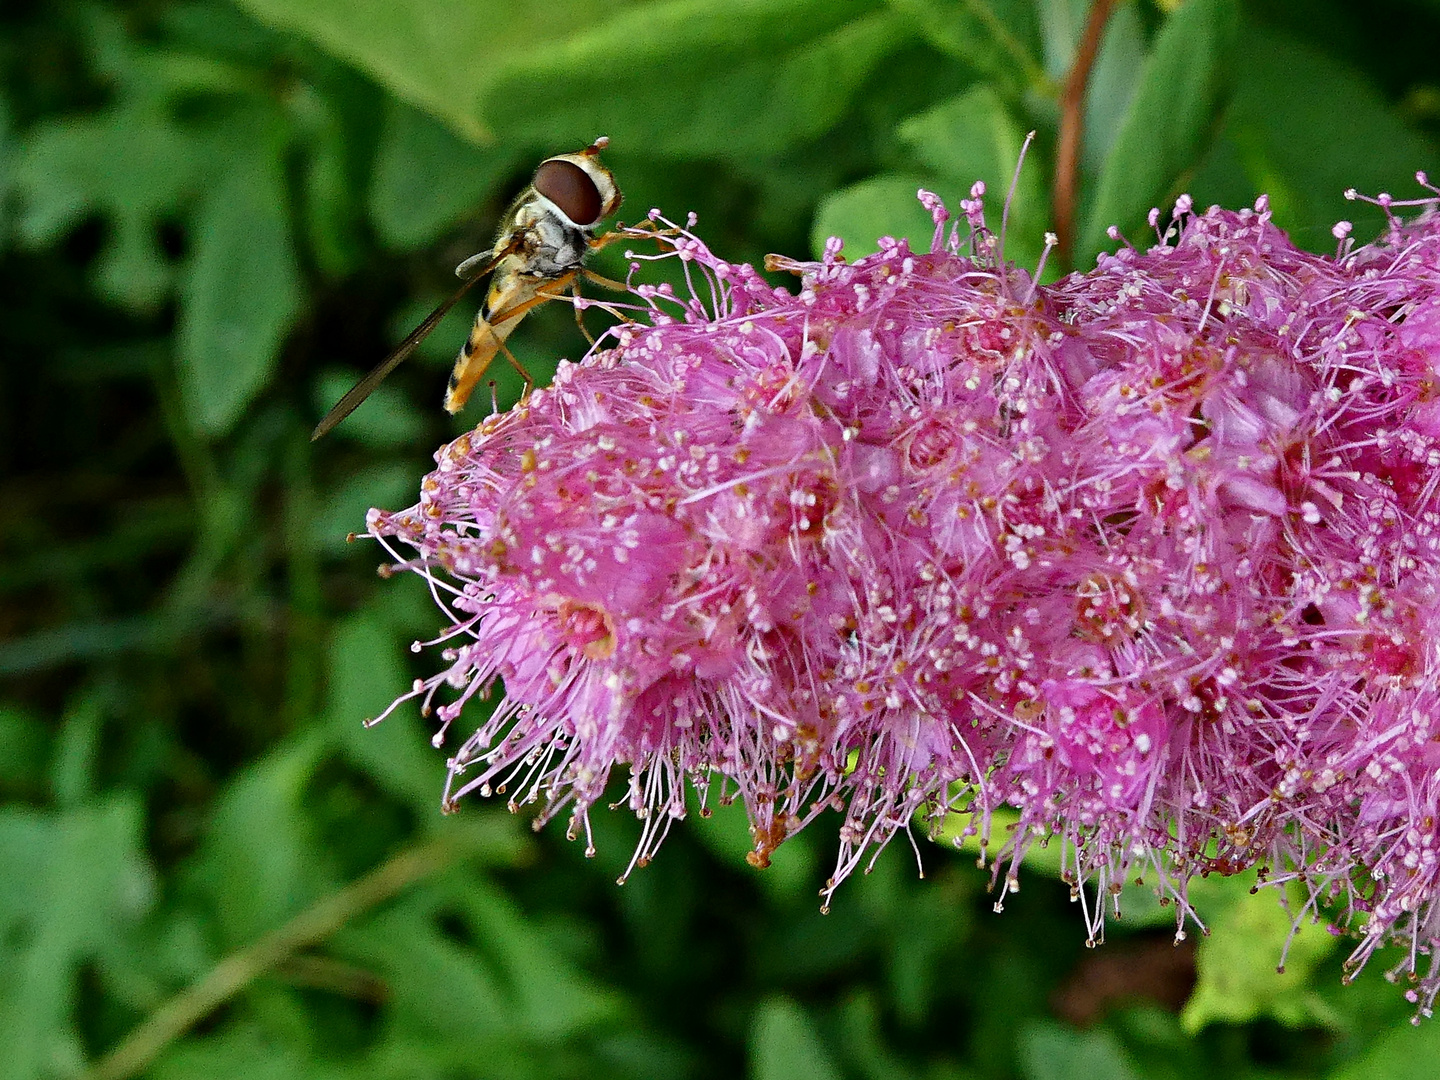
x=1149, y=555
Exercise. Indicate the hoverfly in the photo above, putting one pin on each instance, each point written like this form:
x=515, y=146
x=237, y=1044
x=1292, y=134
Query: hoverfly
x=539, y=251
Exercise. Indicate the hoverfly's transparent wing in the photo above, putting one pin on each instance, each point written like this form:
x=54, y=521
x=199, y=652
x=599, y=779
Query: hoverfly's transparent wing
x=366, y=386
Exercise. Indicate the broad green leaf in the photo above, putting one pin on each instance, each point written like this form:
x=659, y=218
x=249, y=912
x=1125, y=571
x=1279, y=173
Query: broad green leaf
x=7, y=168
x=1060, y=23
x=462, y=964
x=773, y=92
x=438, y=55
x=1051, y=1052
x=884, y=205
x=1405, y=1053
x=72, y=773
x=862, y=1036
x=367, y=672
x=242, y=286
x=260, y=860
x=389, y=484
x=131, y=163
x=997, y=38
x=793, y=869
x=1169, y=123
x=683, y=76
x=24, y=749
x=1236, y=963
x=241, y=1055
x=388, y=419
x=975, y=137
x=1112, y=86
x=1304, y=126
x=784, y=1044
x=335, y=165
x=426, y=178
x=551, y=999
x=71, y=882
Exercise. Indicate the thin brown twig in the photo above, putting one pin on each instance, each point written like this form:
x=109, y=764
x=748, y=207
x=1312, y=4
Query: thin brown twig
x=1072, y=128
x=232, y=974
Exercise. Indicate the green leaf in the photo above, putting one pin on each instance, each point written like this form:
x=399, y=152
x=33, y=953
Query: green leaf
x=1303, y=127
x=463, y=964
x=436, y=986
x=132, y=164
x=884, y=205
x=772, y=92
x=437, y=55
x=331, y=184
x=260, y=860
x=389, y=484
x=240, y=1055
x=974, y=137
x=1169, y=123
x=426, y=178
x=1236, y=962
x=72, y=774
x=24, y=750
x=1405, y=1053
x=366, y=673
x=71, y=882
x=679, y=76
x=995, y=37
x=242, y=286
x=1051, y=1052
x=784, y=1044
x=862, y=1030
x=1060, y=24
x=1113, y=83
x=549, y=997
x=7, y=168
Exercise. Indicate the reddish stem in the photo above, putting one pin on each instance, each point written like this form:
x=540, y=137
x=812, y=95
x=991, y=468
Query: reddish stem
x=1072, y=127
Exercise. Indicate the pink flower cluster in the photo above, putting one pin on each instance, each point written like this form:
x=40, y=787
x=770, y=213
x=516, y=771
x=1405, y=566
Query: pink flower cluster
x=1150, y=555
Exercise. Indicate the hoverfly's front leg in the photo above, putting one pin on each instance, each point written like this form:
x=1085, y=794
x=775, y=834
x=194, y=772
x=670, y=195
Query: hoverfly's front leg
x=580, y=308
x=646, y=230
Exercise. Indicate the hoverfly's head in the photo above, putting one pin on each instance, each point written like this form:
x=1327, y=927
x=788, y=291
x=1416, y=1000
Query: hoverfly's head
x=578, y=186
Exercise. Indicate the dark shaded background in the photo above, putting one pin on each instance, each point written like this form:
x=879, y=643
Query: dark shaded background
x=213, y=217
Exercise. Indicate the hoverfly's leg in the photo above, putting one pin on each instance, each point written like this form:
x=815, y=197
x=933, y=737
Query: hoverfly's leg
x=604, y=282
x=608, y=283
x=579, y=309
x=647, y=226
x=519, y=367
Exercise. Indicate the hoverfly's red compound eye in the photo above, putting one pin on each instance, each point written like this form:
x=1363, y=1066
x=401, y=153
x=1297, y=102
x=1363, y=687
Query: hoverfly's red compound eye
x=570, y=188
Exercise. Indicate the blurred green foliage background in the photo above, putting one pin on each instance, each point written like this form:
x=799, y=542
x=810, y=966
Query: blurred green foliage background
x=214, y=216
